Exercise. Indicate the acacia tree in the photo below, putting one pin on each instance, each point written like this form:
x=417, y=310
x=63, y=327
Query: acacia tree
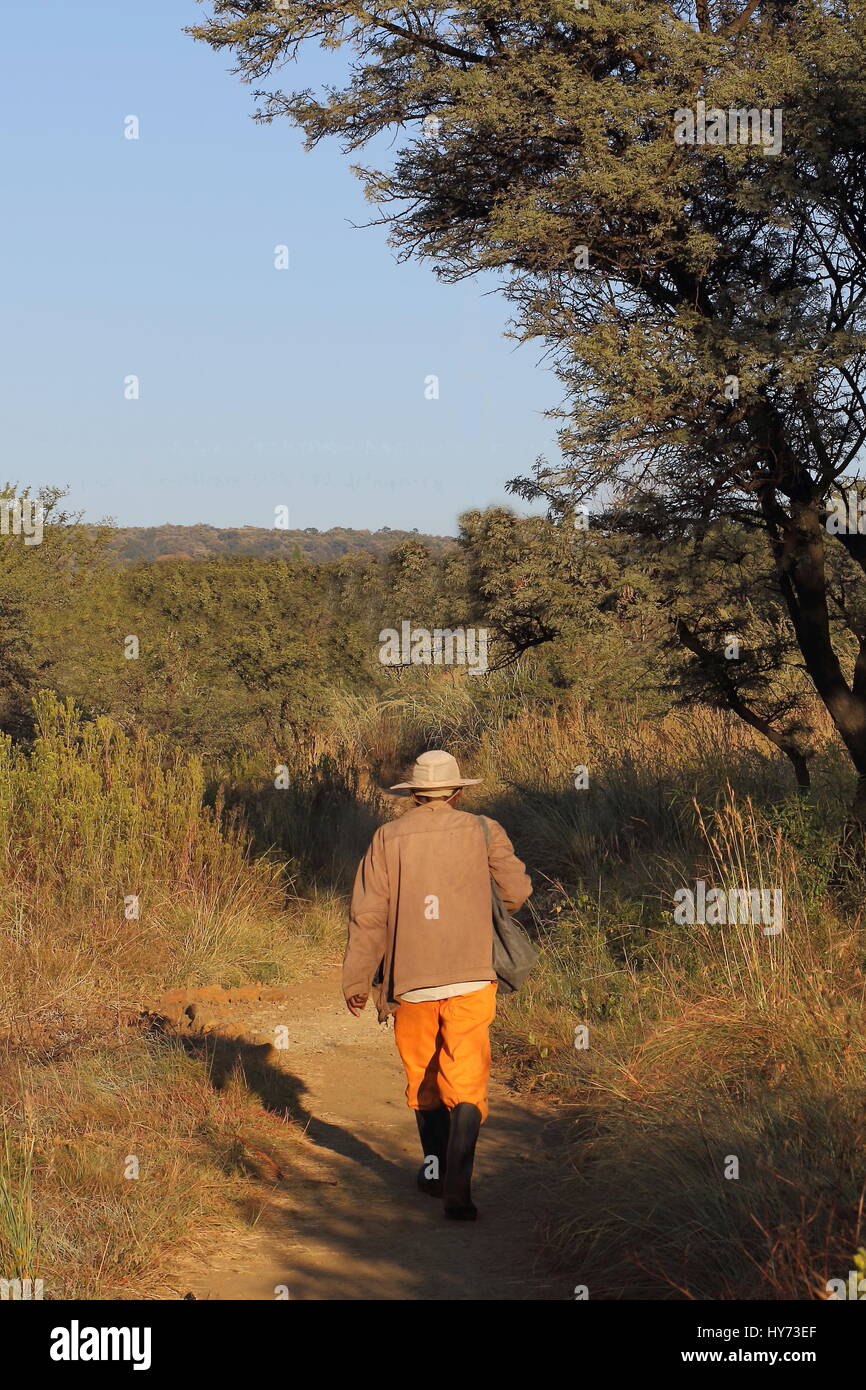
x=727, y=617
x=701, y=295
x=705, y=624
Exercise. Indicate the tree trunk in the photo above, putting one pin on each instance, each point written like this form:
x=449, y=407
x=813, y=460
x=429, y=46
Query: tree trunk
x=801, y=769
x=849, y=863
x=735, y=702
x=798, y=543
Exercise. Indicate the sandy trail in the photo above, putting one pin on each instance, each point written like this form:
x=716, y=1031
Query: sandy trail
x=348, y=1222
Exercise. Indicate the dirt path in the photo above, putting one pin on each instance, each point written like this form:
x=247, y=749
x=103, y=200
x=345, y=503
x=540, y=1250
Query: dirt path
x=351, y=1225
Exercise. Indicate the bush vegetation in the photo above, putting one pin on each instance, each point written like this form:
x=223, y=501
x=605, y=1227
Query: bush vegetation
x=144, y=843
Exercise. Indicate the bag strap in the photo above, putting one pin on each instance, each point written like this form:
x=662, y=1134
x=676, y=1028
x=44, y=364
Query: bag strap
x=494, y=891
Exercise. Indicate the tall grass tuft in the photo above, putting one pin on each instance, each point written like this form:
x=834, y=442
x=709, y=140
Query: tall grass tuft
x=115, y=882
x=19, y=1240
x=114, y=879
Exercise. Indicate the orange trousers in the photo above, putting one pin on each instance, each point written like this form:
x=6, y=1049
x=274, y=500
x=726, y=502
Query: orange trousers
x=445, y=1048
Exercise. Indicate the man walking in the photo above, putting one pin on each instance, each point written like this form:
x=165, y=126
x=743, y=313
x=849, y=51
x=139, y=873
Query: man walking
x=421, y=938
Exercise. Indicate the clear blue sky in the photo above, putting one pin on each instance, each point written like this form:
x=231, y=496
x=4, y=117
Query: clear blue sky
x=155, y=257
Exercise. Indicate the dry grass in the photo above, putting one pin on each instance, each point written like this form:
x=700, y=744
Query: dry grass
x=707, y=1043
x=719, y=1122
x=90, y=819
x=120, y=1158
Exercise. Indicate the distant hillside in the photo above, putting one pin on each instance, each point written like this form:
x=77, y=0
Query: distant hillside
x=199, y=542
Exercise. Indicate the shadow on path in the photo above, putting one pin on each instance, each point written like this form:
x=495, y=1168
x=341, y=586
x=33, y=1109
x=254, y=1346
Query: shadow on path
x=347, y=1222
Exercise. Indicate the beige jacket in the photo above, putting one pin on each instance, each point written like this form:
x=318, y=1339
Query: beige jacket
x=421, y=911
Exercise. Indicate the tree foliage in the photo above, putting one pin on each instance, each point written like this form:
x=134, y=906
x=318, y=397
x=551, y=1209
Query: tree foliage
x=711, y=342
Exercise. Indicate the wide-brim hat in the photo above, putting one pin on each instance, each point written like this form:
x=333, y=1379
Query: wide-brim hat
x=434, y=771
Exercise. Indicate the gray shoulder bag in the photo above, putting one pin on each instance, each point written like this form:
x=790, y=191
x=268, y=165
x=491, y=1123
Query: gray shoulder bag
x=513, y=953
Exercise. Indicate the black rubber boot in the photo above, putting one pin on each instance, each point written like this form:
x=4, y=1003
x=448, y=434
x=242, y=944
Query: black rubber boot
x=465, y=1124
x=433, y=1129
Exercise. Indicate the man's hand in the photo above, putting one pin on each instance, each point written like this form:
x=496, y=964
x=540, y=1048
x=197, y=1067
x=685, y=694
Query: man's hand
x=356, y=1003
